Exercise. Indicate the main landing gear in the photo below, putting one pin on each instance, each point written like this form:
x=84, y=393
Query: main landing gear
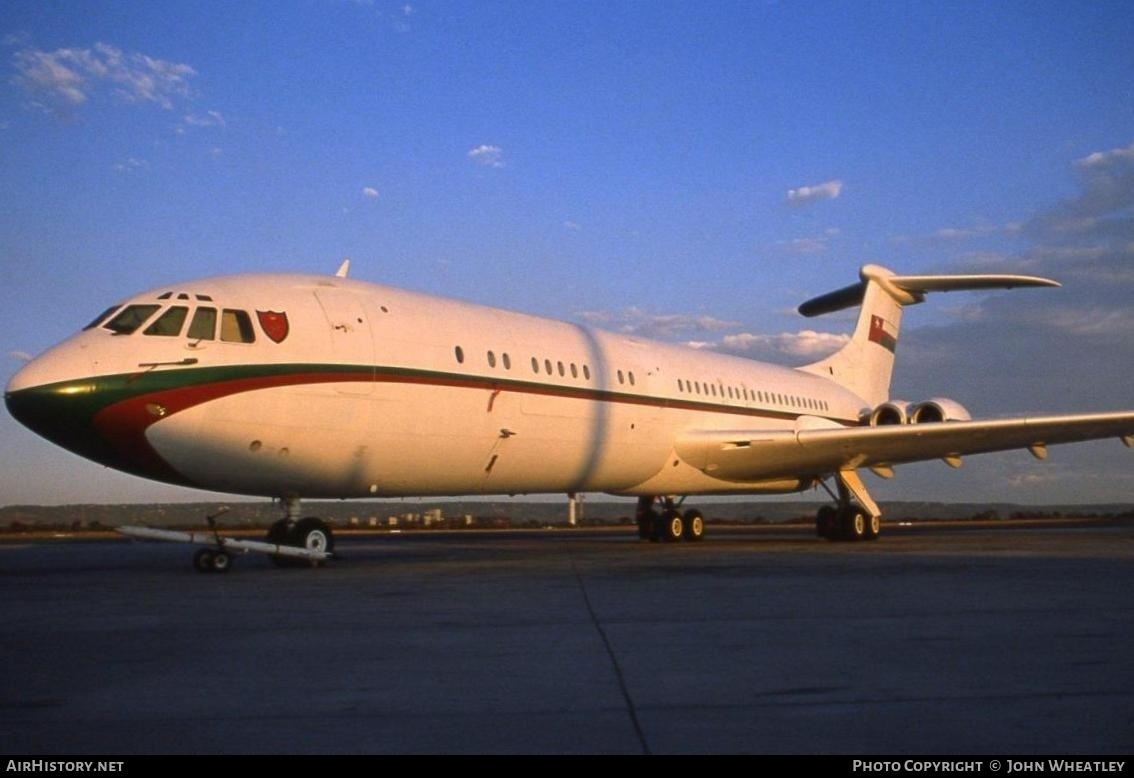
x=660, y=519
x=854, y=517
x=310, y=533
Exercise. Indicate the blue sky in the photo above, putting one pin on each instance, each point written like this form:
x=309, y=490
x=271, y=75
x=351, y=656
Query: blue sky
x=689, y=172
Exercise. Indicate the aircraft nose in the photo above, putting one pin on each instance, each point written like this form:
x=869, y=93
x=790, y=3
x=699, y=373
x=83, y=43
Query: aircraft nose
x=60, y=411
x=101, y=417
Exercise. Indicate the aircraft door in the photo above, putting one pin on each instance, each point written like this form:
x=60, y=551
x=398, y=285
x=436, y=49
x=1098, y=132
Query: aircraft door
x=351, y=339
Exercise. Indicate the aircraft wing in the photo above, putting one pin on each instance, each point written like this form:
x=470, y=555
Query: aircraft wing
x=816, y=447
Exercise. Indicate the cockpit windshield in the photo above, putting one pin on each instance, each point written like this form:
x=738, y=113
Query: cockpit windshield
x=204, y=324
x=130, y=318
x=102, y=316
x=169, y=323
x=162, y=320
x=236, y=327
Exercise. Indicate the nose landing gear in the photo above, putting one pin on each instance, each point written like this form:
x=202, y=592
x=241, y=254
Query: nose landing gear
x=310, y=534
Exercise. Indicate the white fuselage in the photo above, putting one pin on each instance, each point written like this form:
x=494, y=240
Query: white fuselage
x=378, y=391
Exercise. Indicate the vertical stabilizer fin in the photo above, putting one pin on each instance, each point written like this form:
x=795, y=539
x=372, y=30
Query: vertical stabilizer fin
x=344, y=268
x=866, y=363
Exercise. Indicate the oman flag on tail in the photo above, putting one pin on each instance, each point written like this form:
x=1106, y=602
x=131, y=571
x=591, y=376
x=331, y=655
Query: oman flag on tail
x=879, y=335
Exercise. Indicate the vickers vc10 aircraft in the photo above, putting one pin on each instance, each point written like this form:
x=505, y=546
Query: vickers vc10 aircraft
x=297, y=386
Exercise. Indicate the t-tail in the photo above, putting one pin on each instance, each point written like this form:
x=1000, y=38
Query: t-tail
x=866, y=363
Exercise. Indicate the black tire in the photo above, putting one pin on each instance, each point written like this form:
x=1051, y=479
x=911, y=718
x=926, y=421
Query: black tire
x=673, y=526
x=873, y=528
x=310, y=533
x=694, y=525
x=313, y=534
x=277, y=533
x=854, y=523
x=278, y=536
x=203, y=560
x=645, y=527
x=827, y=522
x=644, y=517
x=222, y=561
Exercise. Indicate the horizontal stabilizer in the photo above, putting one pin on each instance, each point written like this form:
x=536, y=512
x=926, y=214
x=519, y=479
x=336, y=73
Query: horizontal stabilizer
x=908, y=290
x=847, y=297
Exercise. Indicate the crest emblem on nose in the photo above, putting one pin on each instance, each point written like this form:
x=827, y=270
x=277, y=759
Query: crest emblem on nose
x=274, y=324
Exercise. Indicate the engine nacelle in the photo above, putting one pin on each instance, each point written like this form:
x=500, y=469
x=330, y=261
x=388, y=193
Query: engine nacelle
x=892, y=412
x=937, y=409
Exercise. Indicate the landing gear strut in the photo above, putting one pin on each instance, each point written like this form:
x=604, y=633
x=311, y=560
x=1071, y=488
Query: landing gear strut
x=666, y=522
x=215, y=558
x=855, y=517
x=310, y=533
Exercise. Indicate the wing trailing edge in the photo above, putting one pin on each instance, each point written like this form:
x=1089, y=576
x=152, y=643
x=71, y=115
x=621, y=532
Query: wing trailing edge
x=750, y=455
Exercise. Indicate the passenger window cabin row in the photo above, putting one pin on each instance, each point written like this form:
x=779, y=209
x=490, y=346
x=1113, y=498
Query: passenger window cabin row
x=710, y=389
x=718, y=390
x=562, y=369
x=544, y=366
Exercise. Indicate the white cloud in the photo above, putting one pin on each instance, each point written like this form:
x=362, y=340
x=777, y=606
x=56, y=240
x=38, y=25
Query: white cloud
x=370, y=192
x=22, y=356
x=59, y=75
x=691, y=330
x=807, y=245
x=67, y=78
x=956, y=234
x=1100, y=217
x=976, y=231
x=12, y=39
x=573, y=226
x=1101, y=159
x=635, y=321
x=145, y=79
x=1069, y=253
x=130, y=164
x=952, y=233
x=489, y=156
x=812, y=244
x=1033, y=480
x=210, y=119
x=805, y=344
x=804, y=195
x=1108, y=323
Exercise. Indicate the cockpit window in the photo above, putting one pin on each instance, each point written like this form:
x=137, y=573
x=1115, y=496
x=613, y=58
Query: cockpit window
x=104, y=315
x=236, y=327
x=130, y=318
x=169, y=323
x=204, y=324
